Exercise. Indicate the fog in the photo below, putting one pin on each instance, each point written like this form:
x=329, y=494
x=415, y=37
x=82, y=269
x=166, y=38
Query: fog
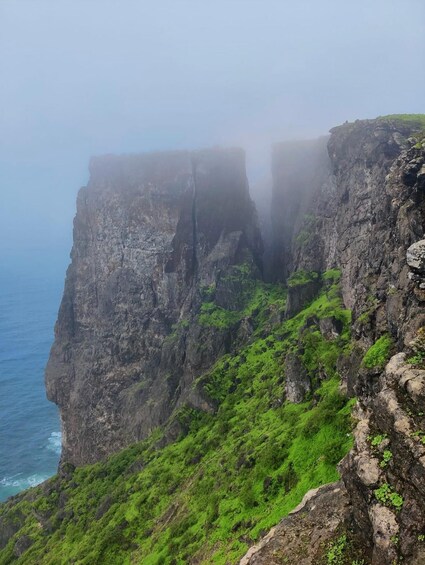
x=80, y=78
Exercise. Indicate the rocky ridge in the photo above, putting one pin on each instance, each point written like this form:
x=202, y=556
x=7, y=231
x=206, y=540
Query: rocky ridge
x=366, y=214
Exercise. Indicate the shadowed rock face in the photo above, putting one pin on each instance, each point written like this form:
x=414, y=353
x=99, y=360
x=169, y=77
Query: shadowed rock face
x=151, y=231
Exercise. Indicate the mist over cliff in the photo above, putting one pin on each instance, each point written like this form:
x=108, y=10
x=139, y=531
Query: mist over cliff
x=232, y=399
x=91, y=78
x=239, y=353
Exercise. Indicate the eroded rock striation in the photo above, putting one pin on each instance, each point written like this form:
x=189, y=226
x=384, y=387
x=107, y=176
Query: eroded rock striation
x=152, y=235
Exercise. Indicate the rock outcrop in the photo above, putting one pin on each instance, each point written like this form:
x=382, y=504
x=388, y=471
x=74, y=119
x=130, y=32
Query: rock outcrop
x=153, y=233
x=366, y=216
x=361, y=214
x=416, y=260
x=385, y=472
x=306, y=534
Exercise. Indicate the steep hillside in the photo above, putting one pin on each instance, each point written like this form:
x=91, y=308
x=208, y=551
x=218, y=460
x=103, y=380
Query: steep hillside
x=200, y=404
x=368, y=215
x=229, y=476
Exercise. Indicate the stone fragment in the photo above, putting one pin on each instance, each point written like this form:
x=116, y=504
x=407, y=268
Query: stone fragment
x=297, y=381
x=415, y=256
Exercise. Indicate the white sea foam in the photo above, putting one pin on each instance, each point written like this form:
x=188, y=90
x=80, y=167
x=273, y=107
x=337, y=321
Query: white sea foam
x=54, y=443
x=22, y=482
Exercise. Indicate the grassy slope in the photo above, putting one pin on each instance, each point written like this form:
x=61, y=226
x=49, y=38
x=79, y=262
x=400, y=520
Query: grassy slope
x=415, y=120
x=234, y=474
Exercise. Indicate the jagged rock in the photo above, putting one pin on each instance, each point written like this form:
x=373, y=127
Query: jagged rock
x=151, y=232
x=303, y=535
x=330, y=327
x=297, y=381
x=385, y=531
x=154, y=233
x=299, y=296
x=358, y=208
x=363, y=213
x=389, y=434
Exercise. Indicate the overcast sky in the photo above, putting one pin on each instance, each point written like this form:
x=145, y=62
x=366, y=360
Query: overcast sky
x=84, y=77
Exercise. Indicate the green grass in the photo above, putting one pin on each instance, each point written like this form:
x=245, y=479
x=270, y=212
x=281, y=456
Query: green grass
x=301, y=277
x=414, y=120
x=379, y=353
x=230, y=476
x=253, y=298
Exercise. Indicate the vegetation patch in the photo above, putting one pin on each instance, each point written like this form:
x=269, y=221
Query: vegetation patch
x=342, y=551
x=386, y=495
x=418, y=349
x=229, y=477
x=414, y=120
x=306, y=232
x=379, y=353
x=301, y=277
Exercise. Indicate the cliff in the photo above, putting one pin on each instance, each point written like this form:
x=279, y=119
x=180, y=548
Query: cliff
x=153, y=235
x=240, y=398
x=363, y=213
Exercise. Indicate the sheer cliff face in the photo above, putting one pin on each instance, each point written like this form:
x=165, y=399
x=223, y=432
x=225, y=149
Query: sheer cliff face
x=360, y=209
x=362, y=215
x=150, y=234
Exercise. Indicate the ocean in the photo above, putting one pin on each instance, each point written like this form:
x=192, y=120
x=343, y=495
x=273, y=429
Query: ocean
x=30, y=441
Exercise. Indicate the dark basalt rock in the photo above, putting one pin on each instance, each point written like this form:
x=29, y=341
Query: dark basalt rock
x=151, y=232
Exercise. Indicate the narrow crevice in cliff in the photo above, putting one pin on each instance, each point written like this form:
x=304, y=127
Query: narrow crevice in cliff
x=194, y=222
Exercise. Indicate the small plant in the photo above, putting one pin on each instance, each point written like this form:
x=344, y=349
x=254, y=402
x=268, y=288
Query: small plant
x=300, y=278
x=389, y=497
x=386, y=458
x=379, y=353
x=332, y=275
x=395, y=539
x=208, y=292
x=417, y=360
x=418, y=347
x=421, y=537
x=336, y=550
x=375, y=441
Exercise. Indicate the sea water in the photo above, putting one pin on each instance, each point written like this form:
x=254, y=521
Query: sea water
x=31, y=286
